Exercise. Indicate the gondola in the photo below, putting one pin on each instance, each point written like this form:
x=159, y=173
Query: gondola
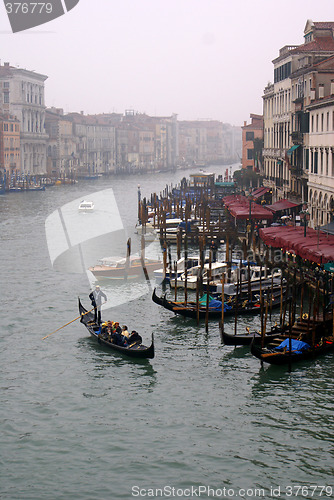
x=286, y=351
x=240, y=339
x=135, y=350
x=190, y=310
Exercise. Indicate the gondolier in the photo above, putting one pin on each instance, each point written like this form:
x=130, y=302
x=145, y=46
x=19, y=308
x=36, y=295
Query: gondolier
x=96, y=297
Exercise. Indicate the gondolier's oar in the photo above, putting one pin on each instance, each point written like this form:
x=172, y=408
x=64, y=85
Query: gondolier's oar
x=71, y=322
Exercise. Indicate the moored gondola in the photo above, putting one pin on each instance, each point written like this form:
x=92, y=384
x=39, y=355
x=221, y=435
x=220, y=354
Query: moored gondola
x=135, y=350
x=287, y=350
x=190, y=309
x=240, y=339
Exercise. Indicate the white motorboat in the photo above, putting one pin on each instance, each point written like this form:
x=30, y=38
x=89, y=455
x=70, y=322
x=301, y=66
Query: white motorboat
x=86, y=206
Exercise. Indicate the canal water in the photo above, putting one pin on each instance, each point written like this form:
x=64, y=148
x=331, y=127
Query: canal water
x=200, y=420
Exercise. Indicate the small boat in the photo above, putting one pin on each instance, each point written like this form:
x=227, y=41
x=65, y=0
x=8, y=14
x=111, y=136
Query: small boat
x=86, y=206
x=136, y=350
x=291, y=349
x=190, y=309
x=121, y=268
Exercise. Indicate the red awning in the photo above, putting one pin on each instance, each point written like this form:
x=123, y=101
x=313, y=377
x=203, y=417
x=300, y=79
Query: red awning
x=257, y=193
x=315, y=246
x=239, y=207
x=281, y=205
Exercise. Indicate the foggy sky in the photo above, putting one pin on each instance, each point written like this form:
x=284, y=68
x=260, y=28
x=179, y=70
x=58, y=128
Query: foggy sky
x=201, y=59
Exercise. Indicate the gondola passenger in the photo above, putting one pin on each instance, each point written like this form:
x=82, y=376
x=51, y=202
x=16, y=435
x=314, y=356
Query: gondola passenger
x=135, y=338
x=125, y=332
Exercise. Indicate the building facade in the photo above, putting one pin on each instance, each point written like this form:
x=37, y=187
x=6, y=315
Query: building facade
x=299, y=79
x=320, y=151
x=22, y=96
x=252, y=143
x=9, y=145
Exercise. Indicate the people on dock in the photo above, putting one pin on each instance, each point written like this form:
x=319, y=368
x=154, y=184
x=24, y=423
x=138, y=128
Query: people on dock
x=96, y=298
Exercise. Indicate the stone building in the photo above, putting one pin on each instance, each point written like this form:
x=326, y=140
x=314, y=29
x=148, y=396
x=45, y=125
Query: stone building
x=320, y=152
x=62, y=156
x=298, y=80
x=22, y=96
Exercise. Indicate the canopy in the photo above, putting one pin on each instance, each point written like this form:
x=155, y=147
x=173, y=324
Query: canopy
x=328, y=228
x=292, y=149
x=241, y=207
x=315, y=246
x=281, y=205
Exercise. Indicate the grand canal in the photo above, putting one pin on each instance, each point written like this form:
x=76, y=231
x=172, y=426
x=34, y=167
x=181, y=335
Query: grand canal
x=81, y=423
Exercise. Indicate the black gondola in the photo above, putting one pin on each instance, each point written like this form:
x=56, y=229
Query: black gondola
x=246, y=338
x=292, y=349
x=135, y=350
x=190, y=309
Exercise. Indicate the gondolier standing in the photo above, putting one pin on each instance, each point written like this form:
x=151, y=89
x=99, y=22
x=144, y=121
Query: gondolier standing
x=96, y=298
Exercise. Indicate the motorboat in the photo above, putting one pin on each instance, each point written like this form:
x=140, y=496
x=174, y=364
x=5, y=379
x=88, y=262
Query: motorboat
x=123, y=268
x=189, y=279
x=147, y=231
x=239, y=282
x=86, y=206
x=168, y=274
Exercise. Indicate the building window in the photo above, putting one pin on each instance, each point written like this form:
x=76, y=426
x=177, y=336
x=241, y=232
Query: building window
x=249, y=136
x=6, y=85
x=6, y=97
x=250, y=154
x=315, y=164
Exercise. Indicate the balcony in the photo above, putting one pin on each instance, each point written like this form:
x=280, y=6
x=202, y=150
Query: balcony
x=296, y=171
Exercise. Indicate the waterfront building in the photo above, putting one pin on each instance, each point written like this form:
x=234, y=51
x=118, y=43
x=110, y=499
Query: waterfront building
x=203, y=142
x=252, y=143
x=9, y=145
x=22, y=96
x=298, y=80
x=62, y=157
x=94, y=136
x=320, y=151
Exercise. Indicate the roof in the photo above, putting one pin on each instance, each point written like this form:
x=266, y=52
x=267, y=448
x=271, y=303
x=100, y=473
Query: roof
x=315, y=246
x=282, y=205
x=325, y=43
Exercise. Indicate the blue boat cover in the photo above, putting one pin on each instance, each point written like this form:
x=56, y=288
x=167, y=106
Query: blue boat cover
x=296, y=345
x=214, y=303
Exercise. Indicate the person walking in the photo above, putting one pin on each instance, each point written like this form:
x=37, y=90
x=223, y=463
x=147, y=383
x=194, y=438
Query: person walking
x=96, y=297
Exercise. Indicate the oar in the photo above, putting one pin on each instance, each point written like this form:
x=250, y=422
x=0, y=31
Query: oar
x=70, y=322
